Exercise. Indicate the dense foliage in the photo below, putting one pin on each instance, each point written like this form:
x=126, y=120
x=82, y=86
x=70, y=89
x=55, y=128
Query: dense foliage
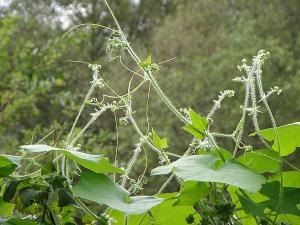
x=54, y=180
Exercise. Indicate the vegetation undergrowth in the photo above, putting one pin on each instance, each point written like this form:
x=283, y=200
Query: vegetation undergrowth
x=217, y=186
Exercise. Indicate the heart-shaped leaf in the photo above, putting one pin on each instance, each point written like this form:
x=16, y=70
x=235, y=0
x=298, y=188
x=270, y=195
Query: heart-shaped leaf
x=289, y=137
x=96, y=163
x=203, y=168
x=101, y=189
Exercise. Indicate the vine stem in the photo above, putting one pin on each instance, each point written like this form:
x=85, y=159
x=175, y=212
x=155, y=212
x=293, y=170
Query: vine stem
x=265, y=101
x=87, y=210
x=147, y=72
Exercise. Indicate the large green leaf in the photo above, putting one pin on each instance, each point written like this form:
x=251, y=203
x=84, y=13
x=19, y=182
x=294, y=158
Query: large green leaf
x=290, y=199
x=250, y=207
x=289, y=137
x=256, y=198
x=191, y=192
x=290, y=178
x=101, y=189
x=198, y=125
x=260, y=161
x=96, y=163
x=8, y=164
x=163, y=214
x=6, y=208
x=206, y=168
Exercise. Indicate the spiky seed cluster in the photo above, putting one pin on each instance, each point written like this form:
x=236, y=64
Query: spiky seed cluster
x=115, y=46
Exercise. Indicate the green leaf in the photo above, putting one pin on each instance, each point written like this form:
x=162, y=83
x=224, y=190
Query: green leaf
x=99, y=188
x=257, y=198
x=48, y=168
x=203, y=168
x=260, y=161
x=146, y=63
x=96, y=163
x=158, y=142
x=17, y=221
x=290, y=178
x=8, y=164
x=289, y=137
x=29, y=196
x=11, y=189
x=251, y=207
x=217, y=152
x=191, y=192
x=65, y=198
x=165, y=213
x=6, y=209
x=290, y=200
x=168, y=213
x=198, y=125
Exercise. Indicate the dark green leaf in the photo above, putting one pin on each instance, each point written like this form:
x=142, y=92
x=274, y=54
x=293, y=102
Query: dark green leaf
x=99, y=188
x=203, y=168
x=29, y=196
x=11, y=189
x=251, y=207
x=65, y=198
x=48, y=168
x=290, y=200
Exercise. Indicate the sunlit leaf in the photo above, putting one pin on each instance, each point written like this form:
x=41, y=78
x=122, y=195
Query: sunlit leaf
x=198, y=125
x=203, y=168
x=165, y=213
x=158, y=142
x=8, y=164
x=289, y=137
x=260, y=161
x=146, y=63
x=290, y=178
x=101, y=189
x=191, y=192
x=6, y=208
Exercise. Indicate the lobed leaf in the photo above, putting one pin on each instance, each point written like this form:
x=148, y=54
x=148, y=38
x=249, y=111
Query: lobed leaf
x=198, y=125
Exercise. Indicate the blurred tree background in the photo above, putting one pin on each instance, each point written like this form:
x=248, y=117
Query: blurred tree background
x=41, y=90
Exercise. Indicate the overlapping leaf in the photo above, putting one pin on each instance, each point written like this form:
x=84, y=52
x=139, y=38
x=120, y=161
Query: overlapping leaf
x=99, y=188
x=206, y=168
x=8, y=163
x=96, y=163
x=289, y=137
x=260, y=161
x=198, y=125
